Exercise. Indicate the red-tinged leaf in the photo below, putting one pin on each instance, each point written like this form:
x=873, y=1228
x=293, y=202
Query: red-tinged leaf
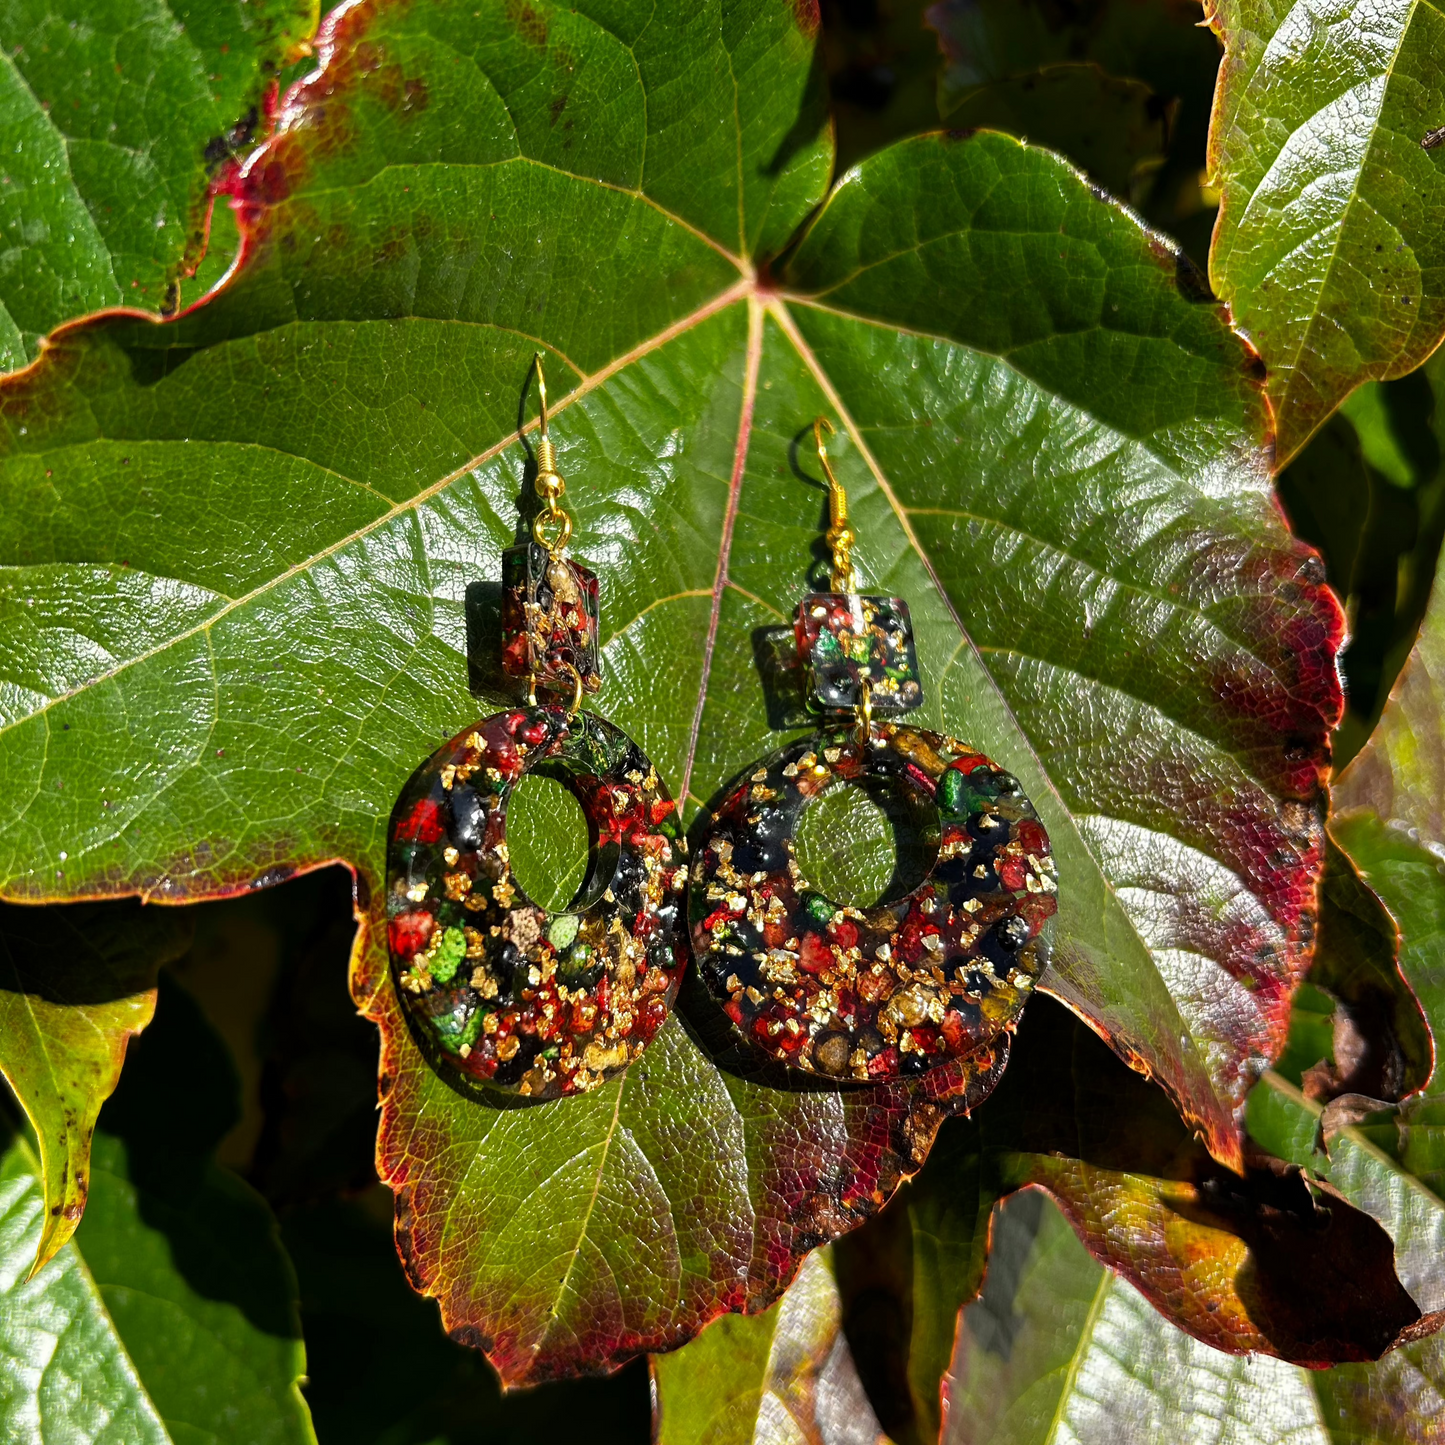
x=568, y=1236
x=242, y=547
x=1057, y=1347
x=120, y=117
x=1117, y=765
x=1258, y=1263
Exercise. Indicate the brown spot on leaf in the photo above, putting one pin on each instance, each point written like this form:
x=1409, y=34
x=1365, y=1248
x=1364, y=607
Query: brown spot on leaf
x=528, y=22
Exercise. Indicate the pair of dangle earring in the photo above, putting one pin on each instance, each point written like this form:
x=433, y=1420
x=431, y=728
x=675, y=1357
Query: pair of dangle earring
x=531, y=1001
x=896, y=989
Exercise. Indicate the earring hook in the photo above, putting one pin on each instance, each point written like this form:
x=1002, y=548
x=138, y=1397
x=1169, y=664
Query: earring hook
x=553, y=527
x=840, y=536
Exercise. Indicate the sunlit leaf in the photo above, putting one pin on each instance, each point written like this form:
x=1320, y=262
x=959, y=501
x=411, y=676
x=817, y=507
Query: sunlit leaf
x=783, y=1377
x=1057, y=1348
x=244, y=555
x=1257, y=1264
x=117, y=117
x=1330, y=245
x=76, y=985
x=171, y=1315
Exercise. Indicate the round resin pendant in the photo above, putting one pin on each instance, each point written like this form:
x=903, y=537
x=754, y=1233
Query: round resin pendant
x=544, y=1004
x=895, y=989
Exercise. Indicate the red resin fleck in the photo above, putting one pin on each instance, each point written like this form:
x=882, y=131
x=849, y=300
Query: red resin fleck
x=545, y=1004
x=407, y=935
x=861, y=993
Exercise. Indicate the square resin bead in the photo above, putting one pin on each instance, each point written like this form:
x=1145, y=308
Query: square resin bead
x=549, y=618
x=845, y=640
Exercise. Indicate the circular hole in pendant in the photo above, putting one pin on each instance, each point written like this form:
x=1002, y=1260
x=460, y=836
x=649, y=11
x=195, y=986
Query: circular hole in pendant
x=547, y=839
x=866, y=842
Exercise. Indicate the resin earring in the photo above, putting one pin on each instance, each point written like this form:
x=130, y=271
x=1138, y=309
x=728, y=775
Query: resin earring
x=542, y=1003
x=910, y=983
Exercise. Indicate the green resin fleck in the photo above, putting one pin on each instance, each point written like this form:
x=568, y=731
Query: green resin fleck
x=459, y=1028
x=820, y=910
x=562, y=931
x=952, y=792
x=449, y=955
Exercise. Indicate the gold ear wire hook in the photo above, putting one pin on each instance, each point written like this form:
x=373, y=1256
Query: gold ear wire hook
x=840, y=536
x=552, y=528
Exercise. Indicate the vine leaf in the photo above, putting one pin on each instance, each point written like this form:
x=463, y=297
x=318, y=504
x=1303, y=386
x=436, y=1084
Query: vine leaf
x=175, y=1302
x=121, y=117
x=1254, y=1264
x=1330, y=244
x=246, y=556
x=1058, y=1347
x=776, y=1378
x=76, y=985
x=1262, y=1266
x=1296, y=1129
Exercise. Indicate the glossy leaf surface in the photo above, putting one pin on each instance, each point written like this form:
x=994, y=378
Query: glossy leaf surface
x=1330, y=245
x=116, y=117
x=783, y=1377
x=1058, y=1349
x=76, y=985
x=171, y=1315
x=1054, y=447
x=1254, y=1264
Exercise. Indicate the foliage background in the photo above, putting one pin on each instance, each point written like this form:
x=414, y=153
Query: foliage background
x=252, y=1008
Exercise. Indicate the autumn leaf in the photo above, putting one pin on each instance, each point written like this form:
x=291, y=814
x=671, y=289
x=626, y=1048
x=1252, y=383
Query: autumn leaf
x=245, y=553
x=119, y=119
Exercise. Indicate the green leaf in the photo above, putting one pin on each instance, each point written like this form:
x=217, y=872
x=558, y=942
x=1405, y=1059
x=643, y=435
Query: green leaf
x=117, y=114
x=775, y=1378
x=244, y=600
x=171, y=1315
x=1330, y=245
x=1058, y=1348
x=1256, y=1263
x=76, y=985
x=1381, y=1044
x=1113, y=129
x=1296, y=1129
x=1158, y=43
